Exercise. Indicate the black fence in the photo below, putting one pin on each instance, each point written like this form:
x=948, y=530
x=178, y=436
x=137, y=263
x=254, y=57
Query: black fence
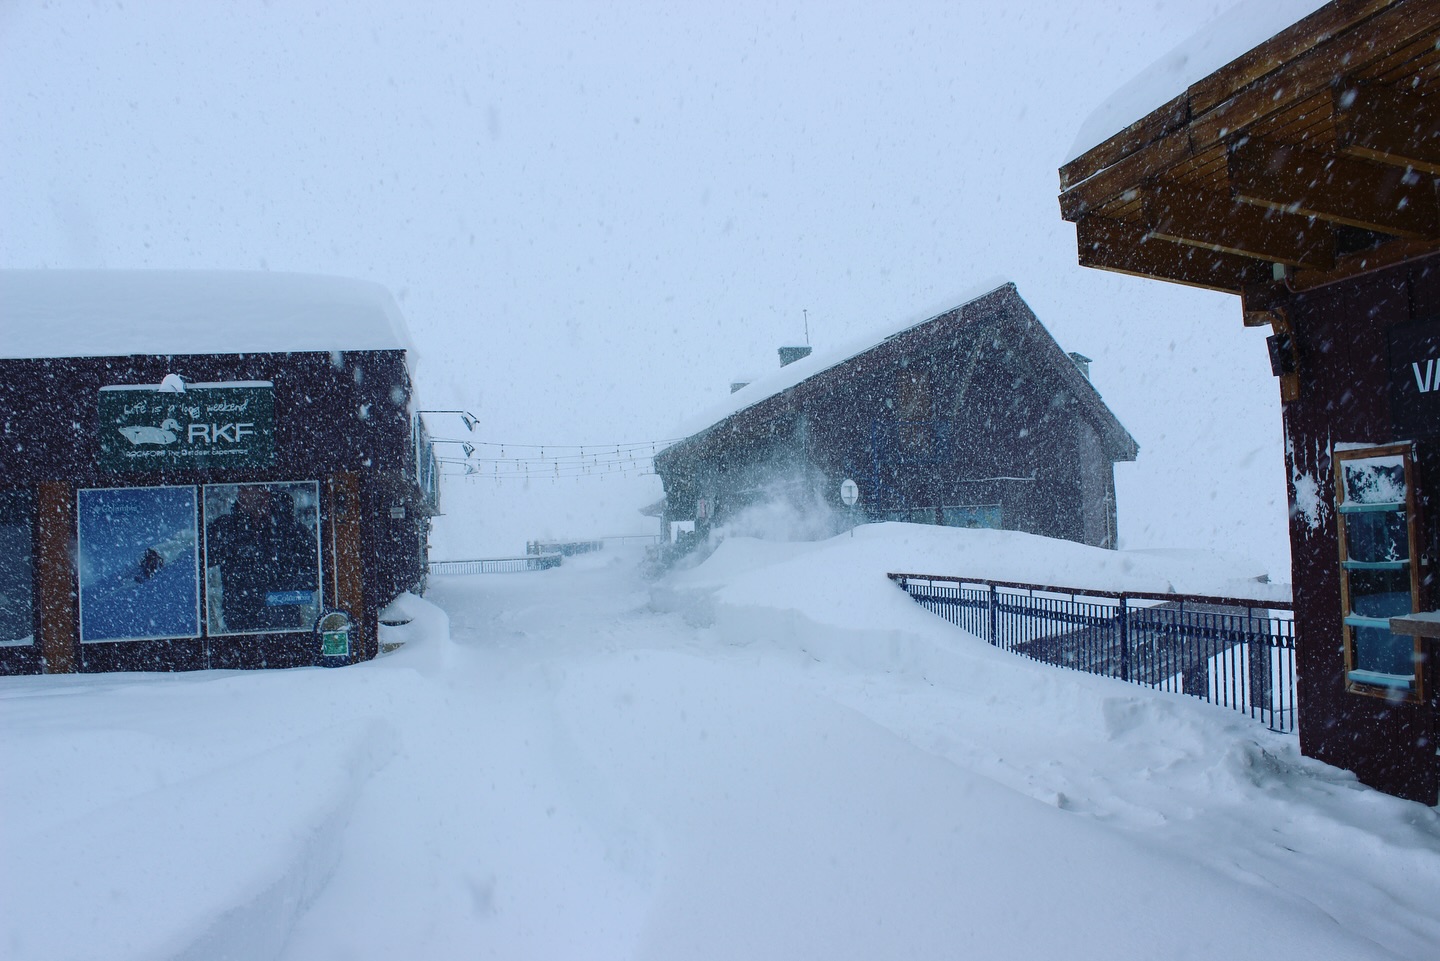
x=497, y=565
x=1235, y=652
x=572, y=548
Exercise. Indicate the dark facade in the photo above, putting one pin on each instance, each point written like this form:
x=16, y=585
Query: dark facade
x=1359, y=391
x=1303, y=177
x=973, y=418
x=115, y=545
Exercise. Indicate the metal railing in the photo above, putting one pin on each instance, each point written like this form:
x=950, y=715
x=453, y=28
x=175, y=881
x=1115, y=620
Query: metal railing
x=571, y=548
x=496, y=565
x=1234, y=652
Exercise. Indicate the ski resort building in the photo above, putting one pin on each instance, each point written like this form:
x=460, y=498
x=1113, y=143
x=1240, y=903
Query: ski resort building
x=195, y=468
x=972, y=418
x=1300, y=174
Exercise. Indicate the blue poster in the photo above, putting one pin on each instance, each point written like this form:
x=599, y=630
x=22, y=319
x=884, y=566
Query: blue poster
x=138, y=564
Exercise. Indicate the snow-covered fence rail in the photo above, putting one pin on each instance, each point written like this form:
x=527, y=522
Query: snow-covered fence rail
x=497, y=565
x=1235, y=652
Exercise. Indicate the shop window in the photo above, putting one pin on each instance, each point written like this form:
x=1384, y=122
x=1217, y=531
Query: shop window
x=17, y=568
x=262, y=557
x=138, y=565
x=1375, y=494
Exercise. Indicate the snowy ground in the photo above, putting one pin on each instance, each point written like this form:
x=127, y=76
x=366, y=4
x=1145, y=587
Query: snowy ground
x=773, y=755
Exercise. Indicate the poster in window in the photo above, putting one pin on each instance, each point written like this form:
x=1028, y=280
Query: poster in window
x=262, y=557
x=138, y=564
x=17, y=569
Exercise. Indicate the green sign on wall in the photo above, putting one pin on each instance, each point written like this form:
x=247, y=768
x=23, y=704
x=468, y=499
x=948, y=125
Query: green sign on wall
x=204, y=426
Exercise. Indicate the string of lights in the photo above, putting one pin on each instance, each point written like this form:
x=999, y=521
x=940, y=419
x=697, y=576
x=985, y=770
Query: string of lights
x=506, y=461
x=627, y=445
x=532, y=469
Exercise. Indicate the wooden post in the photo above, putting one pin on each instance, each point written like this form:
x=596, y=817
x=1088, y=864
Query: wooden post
x=346, y=559
x=55, y=580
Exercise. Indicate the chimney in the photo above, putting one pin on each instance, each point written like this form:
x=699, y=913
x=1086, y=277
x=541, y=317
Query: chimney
x=1082, y=362
x=788, y=355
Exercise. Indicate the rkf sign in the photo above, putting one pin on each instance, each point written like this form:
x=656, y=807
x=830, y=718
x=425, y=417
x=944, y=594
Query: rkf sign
x=203, y=426
x=1415, y=378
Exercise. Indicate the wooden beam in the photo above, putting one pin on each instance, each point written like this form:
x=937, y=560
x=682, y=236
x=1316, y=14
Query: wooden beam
x=1289, y=45
x=1149, y=128
x=1130, y=249
x=1389, y=125
x=1202, y=218
x=1311, y=73
x=1299, y=181
x=1126, y=175
x=1348, y=266
x=55, y=585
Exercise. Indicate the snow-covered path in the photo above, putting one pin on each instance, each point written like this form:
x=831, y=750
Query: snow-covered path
x=590, y=766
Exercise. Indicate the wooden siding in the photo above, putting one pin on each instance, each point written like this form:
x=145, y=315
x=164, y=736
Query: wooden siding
x=1341, y=341
x=978, y=407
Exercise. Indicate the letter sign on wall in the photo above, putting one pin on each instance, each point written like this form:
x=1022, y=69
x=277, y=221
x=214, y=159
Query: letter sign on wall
x=203, y=426
x=1415, y=379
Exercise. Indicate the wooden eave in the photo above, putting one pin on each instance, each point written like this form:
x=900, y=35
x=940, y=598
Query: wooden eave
x=1312, y=157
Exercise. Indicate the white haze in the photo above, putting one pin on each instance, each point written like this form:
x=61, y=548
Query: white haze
x=596, y=215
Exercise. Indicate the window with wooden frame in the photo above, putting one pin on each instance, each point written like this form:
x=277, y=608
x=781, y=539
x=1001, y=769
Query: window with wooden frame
x=1379, y=576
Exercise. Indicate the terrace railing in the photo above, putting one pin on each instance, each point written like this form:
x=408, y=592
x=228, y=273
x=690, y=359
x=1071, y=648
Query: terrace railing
x=1234, y=652
x=497, y=565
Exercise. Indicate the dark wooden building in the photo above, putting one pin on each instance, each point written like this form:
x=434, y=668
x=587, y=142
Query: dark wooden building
x=194, y=467
x=1302, y=176
x=973, y=418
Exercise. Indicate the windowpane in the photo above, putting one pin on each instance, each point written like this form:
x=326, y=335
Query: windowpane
x=1375, y=480
x=973, y=516
x=17, y=569
x=1375, y=536
x=139, y=572
x=262, y=557
x=1378, y=650
x=1380, y=593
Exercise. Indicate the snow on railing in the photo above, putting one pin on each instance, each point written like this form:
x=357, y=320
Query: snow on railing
x=1234, y=652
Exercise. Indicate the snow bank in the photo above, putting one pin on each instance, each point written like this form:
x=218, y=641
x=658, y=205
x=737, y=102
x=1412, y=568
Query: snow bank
x=824, y=571
x=817, y=768
x=1212, y=797
x=169, y=816
x=103, y=313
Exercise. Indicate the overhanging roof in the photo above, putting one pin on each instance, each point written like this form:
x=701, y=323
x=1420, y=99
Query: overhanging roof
x=1317, y=150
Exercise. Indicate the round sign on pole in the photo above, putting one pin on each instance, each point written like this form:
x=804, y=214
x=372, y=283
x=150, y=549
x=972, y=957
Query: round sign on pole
x=849, y=492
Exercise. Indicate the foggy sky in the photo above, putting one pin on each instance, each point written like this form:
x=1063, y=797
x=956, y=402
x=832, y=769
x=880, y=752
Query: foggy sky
x=596, y=215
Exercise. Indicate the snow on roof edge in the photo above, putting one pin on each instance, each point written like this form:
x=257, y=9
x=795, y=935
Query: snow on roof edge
x=102, y=313
x=1231, y=34
x=778, y=381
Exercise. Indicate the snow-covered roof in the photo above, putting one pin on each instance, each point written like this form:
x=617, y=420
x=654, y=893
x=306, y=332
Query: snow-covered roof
x=1232, y=33
x=793, y=374
x=115, y=313
x=776, y=381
